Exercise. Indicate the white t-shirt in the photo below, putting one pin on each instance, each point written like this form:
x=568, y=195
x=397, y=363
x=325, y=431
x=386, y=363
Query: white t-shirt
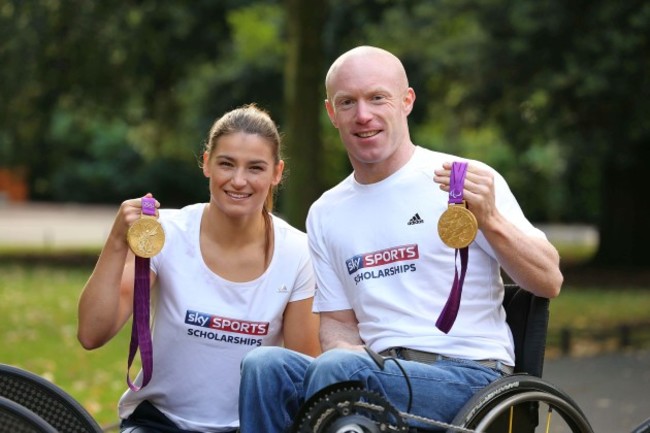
x=376, y=250
x=203, y=325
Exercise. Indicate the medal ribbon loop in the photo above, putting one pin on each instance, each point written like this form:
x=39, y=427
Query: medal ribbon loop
x=457, y=182
x=450, y=310
x=140, y=330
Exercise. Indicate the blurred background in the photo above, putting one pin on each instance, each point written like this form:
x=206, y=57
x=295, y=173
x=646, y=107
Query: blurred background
x=104, y=101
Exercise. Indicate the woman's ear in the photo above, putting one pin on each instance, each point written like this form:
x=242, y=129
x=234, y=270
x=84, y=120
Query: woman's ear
x=206, y=165
x=277, y=176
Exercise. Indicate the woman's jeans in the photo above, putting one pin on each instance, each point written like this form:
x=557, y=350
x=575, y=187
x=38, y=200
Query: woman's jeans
x=276, y=381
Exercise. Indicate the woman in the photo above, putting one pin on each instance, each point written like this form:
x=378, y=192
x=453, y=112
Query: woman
x=230, y=277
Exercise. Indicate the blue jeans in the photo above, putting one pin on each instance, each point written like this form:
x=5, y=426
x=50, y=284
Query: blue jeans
x=276, y=381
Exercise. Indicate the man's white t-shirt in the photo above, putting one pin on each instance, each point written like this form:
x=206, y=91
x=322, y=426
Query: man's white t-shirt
x=376, y=250
x=203, y=325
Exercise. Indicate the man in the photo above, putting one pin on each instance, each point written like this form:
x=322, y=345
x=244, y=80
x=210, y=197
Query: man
x=384, y=274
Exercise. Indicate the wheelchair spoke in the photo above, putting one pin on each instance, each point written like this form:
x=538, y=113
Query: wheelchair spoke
x=510, y=419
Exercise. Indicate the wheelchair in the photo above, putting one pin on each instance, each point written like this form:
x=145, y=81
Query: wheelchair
x=32, y=404
x=519, y=403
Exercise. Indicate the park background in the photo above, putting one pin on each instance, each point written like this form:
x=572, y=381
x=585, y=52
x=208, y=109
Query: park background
x=103, y=101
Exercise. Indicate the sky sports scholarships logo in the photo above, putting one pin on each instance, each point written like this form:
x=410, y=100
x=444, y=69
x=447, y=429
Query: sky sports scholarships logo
x=223, y=328
x=388, y=256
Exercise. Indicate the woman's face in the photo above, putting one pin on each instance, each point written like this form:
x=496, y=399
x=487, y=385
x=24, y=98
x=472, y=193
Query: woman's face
x=242, y=171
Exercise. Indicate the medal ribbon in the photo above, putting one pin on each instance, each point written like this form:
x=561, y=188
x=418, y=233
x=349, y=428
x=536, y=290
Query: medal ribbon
x=140, y=331
x=450, y=310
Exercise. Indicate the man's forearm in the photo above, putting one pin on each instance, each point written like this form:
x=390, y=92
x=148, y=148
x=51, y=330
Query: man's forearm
x=533, y=263
x=337, y=334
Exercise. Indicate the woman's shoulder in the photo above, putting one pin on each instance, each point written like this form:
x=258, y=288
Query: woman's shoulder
x=281, y=224
x=181, y=218
x=180, y=213
x=286, y=233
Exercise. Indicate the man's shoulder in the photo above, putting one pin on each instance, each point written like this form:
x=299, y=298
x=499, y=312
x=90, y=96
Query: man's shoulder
x=425, y=156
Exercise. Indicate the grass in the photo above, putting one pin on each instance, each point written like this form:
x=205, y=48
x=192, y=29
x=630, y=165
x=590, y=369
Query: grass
x=583, y=308
x=38, y=327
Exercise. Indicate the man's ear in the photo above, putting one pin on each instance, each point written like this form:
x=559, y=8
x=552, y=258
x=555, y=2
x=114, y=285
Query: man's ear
x=330, y=112
x=409, y=100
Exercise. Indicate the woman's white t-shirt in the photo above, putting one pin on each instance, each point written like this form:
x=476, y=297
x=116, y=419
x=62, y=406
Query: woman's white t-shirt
x=203, y=325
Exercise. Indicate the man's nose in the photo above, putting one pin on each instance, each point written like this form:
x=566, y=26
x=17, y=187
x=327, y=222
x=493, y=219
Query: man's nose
x=364, y=114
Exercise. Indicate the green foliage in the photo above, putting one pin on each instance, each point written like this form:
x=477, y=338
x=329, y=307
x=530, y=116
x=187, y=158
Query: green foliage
x=560, y=74
x=97, y=92
x=256, y=32
x=553, y=94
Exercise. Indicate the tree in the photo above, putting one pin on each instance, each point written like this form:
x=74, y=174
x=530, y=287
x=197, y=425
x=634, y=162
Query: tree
x=303, y=98
x=577, y=73
x=99, y=97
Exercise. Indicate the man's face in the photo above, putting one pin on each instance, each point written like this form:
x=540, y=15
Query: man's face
x=369, y=102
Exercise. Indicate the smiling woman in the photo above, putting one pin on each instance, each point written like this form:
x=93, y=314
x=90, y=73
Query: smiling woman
x=231, y=276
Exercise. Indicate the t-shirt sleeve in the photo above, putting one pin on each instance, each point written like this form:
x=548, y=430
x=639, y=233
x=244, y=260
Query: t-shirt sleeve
x=305, y=283
x=509, y=207
x=330, y=295
x=164, y=218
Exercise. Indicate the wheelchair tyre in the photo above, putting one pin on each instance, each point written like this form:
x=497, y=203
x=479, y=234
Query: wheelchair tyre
x=512, y=404
x=644, y=427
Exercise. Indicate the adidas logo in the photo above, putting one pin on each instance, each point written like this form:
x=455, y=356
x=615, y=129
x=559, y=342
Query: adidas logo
x=415, y=219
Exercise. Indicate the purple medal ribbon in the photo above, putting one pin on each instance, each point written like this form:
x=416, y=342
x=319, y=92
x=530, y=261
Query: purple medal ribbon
x=450, y=311
x=140, y=331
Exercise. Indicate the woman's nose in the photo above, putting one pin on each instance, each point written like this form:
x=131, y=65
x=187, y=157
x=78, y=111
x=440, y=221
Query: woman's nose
x=238, y=178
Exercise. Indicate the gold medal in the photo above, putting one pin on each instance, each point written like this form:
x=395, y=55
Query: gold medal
x=457, y=226
x=146, y=237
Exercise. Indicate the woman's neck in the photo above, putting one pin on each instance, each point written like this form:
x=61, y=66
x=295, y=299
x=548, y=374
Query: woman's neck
x=232, y=232
x=238, y=249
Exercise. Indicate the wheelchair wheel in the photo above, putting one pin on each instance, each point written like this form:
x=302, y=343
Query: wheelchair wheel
x=644, y=427
x=520, y=403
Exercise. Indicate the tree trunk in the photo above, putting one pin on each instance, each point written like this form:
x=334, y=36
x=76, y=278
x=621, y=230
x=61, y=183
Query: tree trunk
x=303, y=84
x=625, y=214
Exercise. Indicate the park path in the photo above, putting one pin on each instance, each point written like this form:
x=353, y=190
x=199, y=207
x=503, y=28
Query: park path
x=613, y=389
x=55, y=225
